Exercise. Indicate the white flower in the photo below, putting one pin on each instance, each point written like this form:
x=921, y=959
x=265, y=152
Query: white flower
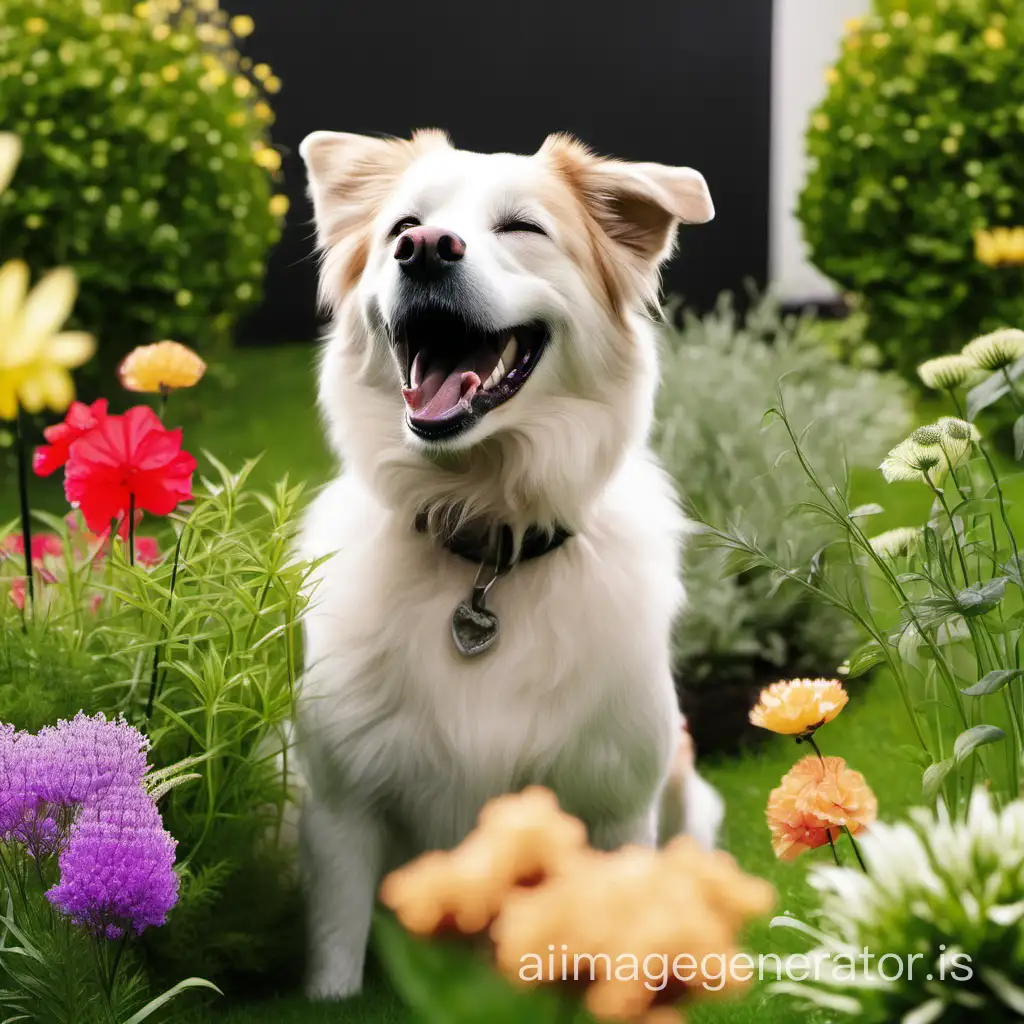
x=945, y=372
x=951, y=891
x=912, y=461
x=997, y=350
x=894, y=543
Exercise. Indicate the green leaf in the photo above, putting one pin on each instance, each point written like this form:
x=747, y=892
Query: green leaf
x=1018, y=438
x=915, y=755
x=980, y=598
x=154, y=1004
x=993, y=682
x=979, y=736
x=738, y=561
x=865, y=658
x=933, y=779
x=990, y=390
x=872, y=509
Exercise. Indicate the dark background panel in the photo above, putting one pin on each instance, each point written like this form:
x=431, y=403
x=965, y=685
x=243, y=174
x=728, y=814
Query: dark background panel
x=678, y=81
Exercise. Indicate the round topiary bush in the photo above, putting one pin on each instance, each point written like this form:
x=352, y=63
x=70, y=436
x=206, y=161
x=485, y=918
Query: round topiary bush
x=917, y=157
x=147, y=167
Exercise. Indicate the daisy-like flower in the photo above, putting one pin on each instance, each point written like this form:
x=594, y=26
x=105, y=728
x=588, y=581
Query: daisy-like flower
x=79, y=421
x=797, y=707
x=126, y=461
x=946, y=372
x=815, y=801
x=895, y=543
x=951, y=890
x=34, y=357
x=996, y=351
x=160, y=368
x=912, y=461
x=10, y=154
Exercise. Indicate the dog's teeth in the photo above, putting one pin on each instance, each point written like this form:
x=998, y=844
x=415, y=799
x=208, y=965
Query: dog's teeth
x=496, y=377
x=508, y=357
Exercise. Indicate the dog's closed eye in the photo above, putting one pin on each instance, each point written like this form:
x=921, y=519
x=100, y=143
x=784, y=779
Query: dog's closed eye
x=519, y=226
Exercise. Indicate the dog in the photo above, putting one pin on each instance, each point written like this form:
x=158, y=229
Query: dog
x=499, y=557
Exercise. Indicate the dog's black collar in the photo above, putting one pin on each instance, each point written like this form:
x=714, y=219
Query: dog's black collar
x=477, y=542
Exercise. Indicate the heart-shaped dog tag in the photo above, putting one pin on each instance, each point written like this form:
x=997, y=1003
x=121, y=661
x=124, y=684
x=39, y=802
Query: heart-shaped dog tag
x=474, y=630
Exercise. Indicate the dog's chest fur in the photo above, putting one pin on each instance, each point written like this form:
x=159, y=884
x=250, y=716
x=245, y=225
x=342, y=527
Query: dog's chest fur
x=576, y=695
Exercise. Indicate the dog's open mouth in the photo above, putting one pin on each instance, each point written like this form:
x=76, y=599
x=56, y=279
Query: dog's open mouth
x=456, y=372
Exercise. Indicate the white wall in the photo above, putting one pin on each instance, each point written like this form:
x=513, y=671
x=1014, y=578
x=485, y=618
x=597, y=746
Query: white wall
x=806, y=36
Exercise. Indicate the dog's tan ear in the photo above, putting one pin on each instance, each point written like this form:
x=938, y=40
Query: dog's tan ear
x=639, y=205
x=349, y=173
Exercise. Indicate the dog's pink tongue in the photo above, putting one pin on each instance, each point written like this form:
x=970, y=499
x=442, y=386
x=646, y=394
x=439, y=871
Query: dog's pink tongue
x=439, y=395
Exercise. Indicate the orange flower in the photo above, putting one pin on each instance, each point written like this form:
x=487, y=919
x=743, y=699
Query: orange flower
x=798, y=706
x=815, y=801
x=160, y=368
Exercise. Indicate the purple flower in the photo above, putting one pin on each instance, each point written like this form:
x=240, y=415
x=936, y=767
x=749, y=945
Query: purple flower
x=77, y=787
x=117, y=872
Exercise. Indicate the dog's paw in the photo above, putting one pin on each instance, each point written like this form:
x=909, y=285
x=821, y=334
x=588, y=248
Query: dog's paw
x=328, y=987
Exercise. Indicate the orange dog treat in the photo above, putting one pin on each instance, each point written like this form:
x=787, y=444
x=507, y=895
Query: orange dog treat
x=520, y=839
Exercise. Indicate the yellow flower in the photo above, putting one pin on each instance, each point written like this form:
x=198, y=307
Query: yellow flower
x=206, y=6
x=798, y=706
x=832, y=76
x=170, y=73
x=262, y=111
x=279, y=205
x=161, y=32
x=159, y=368
x=986, y=249
x=268, y=158
x=242, y=25
x=10, y=154
x=214, y=78
x=242, y=87
x=142, y=10
x=272, y=84
x=820, y=122
x=994, y=39
x=35, y=26
x=852, y=25
x=236, y=118
x=262, y=72
x=945, y=372
x=34, y=357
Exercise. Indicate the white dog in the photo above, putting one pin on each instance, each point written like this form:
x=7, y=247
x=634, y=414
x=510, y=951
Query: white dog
x=504, y=569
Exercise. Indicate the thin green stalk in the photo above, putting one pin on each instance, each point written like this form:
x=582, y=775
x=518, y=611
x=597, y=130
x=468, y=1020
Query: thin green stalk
x=21, y=444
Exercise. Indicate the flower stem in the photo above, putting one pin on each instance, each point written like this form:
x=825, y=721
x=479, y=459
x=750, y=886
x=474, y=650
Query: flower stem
x=832, y=847
x=26, y=515
x=856, y=849
x=162, y=407
x=809, y=738
x=155, y=674
x=131, y=528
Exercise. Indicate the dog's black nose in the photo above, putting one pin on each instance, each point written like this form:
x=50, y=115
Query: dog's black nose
x=426, y=253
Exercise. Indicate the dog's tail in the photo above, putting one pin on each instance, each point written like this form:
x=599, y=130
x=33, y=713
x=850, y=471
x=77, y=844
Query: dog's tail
x=689, y=804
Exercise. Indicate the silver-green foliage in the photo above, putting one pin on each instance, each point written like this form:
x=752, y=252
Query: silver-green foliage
x=719, y=375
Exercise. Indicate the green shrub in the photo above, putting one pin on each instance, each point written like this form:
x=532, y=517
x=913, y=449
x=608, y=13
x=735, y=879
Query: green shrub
x=916, y=146
x=145, y=168
x=719, y=374
x=202, y=652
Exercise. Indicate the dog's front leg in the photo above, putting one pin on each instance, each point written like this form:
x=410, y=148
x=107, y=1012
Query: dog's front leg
x=641, y=830
x=343, y=855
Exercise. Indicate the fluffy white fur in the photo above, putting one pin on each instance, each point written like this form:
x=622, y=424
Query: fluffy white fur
x=402, y=739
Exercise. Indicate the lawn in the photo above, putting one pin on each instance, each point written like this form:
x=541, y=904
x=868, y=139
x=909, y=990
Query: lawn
x=265, y=403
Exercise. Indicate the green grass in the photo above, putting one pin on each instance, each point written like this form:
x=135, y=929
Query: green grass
x=266, y=404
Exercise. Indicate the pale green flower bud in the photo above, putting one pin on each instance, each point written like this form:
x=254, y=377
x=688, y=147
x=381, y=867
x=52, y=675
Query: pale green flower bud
x=997, y=350
x=895, y=543
x=945, y=372
x=912, y=461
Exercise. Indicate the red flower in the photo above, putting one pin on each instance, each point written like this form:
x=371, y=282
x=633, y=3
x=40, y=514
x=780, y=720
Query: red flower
x=43, y=545
x=126, y=458
x=147, y=551
x=18, y=593
x=79, y=421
